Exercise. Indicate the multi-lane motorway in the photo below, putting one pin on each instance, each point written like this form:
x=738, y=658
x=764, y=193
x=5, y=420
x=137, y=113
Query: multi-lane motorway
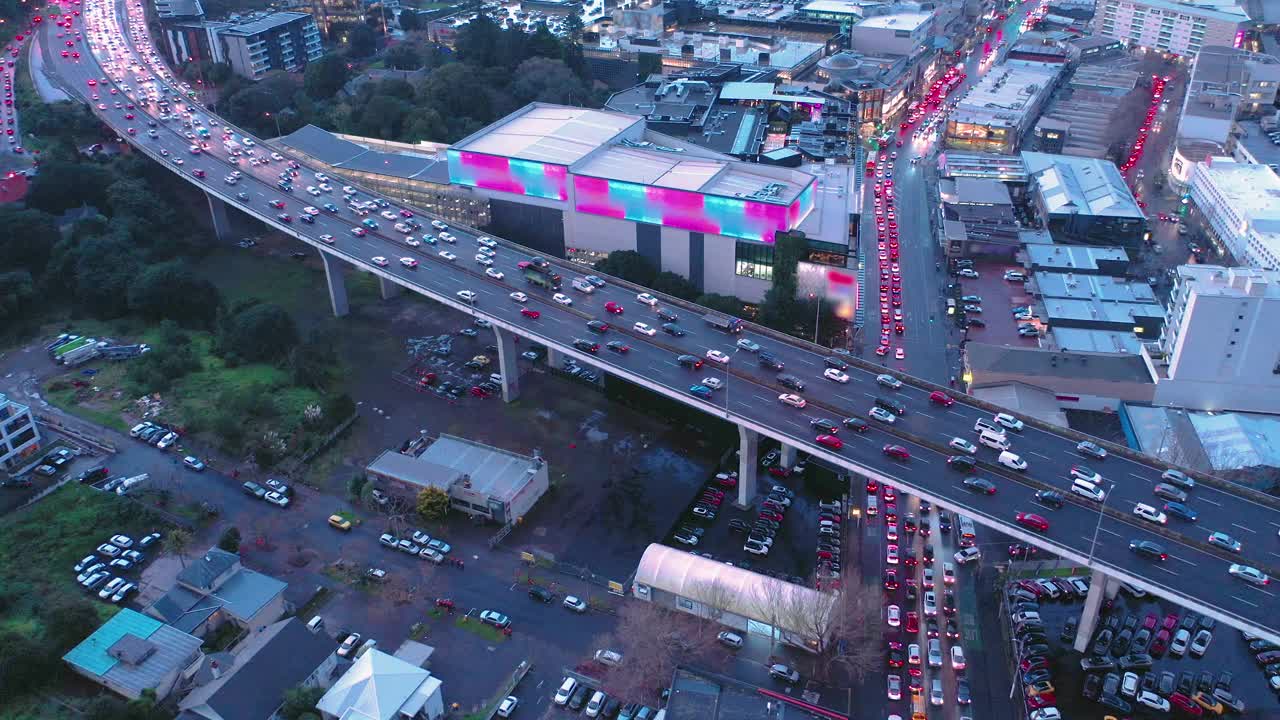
x=1193, y=575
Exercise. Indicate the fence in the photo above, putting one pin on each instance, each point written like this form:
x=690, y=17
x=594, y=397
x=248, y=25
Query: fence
x=323, y=445
x=80, y=435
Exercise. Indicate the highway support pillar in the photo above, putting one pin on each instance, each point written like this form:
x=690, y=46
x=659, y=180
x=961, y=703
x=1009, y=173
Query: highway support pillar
x=788, y=458
x=508, y=365
x=389, y=289
x=555, y=359
x=337, y=284
x=1092, y=609
x=218, y=211
x=748, y=466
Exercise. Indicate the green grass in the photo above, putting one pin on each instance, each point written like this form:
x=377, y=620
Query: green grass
x=473, y=625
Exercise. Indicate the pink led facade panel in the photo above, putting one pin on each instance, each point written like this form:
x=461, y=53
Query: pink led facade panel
x=519, y=177
x=733, y=217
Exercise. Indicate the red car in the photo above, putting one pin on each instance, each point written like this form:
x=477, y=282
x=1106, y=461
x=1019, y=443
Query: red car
x=913, y=622
x=1170, y=622
x=872, y=485
x=830, y=441
x=530, y=313
x=897, y=452
x=1032, y=521
x=727, y=480
x=770, y=515
x=940, y=398
x=1185, y=704
x=479, y=391
x=613, y=308
x=277, y=204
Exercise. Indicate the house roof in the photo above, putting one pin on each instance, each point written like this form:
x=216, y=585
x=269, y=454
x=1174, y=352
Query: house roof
x=1034, y=362
x=322, y=145
x=132, y=652
x=376, y=686
x=201, y=573
x=247, y=592
x=267, y=664
x=184, y=609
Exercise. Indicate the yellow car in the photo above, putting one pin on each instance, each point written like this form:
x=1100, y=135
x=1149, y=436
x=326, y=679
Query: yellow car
x=339, y=522
x=1209, y=703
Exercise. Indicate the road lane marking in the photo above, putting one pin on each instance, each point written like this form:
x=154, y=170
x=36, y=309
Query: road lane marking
x=1207, y=500
x=1246, y=602
x=924, y=414
x=1046, y=457
x=1143, y=479
x=1242, y=527
x=953, y=412
x=1166, y=570
x=1182, y=560
x=1109, y=532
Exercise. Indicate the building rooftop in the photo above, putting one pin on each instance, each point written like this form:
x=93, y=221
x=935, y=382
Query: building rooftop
x=411, y=163
x=183, y=609
x=1074, y=257
x=1102, y=311
x=268, y=663
x=378, y=686
x=833, y=203
x=1083, y=287
x=1230, y=282
x=1005, y=168
x=897, y=21
x=258, y=25
x=767, y=92
x=1228, y=10
x=1071, y=185
x=850, y=7
x=666, y=101
x=1003, y=360
x=1090, y=340
x=1255, y=142
x=707, y=175
x=974, y=191
x=247, y=592
x=700, y=695
x=1007, y=93
x=202, y=573
x=1251, y=191
x=489, y=470
x=548, y=133
x=133, y=652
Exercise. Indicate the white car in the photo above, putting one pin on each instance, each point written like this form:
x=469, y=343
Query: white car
x=575, y=603
x=836, y=375
x=714, y=383
x=718, y=356
x=1008, y=421
x=1149, y=513
x=108, y=550
x=312, y=191
x=647, y=299
x=884, y=416
x=1249, y=574
x=968, y=555
x=386, y=214
x=562, y=299
x=895, y=688
x=310, y=210
x=328, y=239
x=346, y=189
x=794, y=401
x=487, y=252
x=380, y=261
x=644, y=328
x=519, y=297
x=276, y=499
x=466, y=296
x=124, y=542
x=967, y=273
x=962, y=445
x=486, y=241
x=508, y=706
x=409, y=262
x=494, y=273
x=411, y=241
x=894, y=616
x=447, y=255
x=1153, y=701
x=891, y=554
x=481, y=259
x=748, y=345
x=957, y=658
x=439, y=225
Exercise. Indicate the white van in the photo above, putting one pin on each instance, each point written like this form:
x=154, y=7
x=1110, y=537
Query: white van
x=983, y=424
x=994, y=440
x=1025, y=616
x=1012, y=461
x=1009, y=421
x=582, y=286
x=1088, y=490
x=315, y=623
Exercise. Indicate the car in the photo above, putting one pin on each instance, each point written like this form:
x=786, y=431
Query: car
x=1150, y=514
x=349, y=645
x=494, y=618
x=1138, y=661
x=1179, y=478
x=574, y=603
x=1225, y=541
x=1080, y=472
x=730, y=639
x=562, y=299
x=718, y=356
x=962, y=445
x=792, y=400
x=835, y=375
x=1092, y=450
x=1180, y=511
x=896, y=452
x=889, y=381
x=963, y=463
x=466, y=296
x=785, y=673
x=895, y=687
x=507, y=706
x=565, y=691
x=1032, y=521
x=957, y=658
x=1148, y=549
x=277, y=499
x=1200, y=643
x=893, y=616
x=830, y=441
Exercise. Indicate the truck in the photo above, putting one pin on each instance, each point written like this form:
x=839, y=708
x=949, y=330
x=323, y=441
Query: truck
x=124, y=352
x=540, y=275
x=130, y=483
x=82, y=354
x=66, y=347
x=724, y=323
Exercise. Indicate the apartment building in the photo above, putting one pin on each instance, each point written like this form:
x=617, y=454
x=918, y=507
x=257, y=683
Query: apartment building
x=1218, y=350
x=1240, y=203
x=19, y=436
x=1170, y=26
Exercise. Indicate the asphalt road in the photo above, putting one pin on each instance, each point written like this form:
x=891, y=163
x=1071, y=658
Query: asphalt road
x=751, y=394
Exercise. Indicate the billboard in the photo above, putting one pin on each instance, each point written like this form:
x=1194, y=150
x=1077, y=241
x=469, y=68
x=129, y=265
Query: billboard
x=518, y=177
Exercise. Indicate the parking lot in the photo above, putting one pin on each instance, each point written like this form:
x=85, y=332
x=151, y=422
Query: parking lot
x=998, y=296
x=1227, y=661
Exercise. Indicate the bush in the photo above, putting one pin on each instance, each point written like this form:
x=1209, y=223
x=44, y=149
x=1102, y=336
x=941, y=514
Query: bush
x=230, y=540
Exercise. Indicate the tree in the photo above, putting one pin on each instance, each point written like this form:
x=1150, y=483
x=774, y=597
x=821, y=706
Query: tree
x=174, y=290
x=409, y=20
x=362, y=41
x=650, y=64
x=313, y=363
x=65, y=621
x=727, y=304
x=29, y=238
x=48, y=190
x=406, y=55
x=17, y=291
x=230, y=540
x=325, y=77
x=573, y=26
x=258, y=331
x=382, y=116
x=104, y=267
x=178, y=542
x=628, y=265
x=301, y=700
x=654, y=641
x=541, y=79
x=670, y=283
x=433, y=504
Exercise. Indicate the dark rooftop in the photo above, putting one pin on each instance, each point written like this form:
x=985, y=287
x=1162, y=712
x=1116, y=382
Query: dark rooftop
x=322, y=145
x=1004, y=360
x=697, y=695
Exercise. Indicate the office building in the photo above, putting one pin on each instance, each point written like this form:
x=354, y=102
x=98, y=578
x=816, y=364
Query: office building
x=1219, y=350
x=881, y=86
x=19, y=436
x=896, y=34
x=481, y=480
x=994, y=115
x=1084, y=200
x=179, y=9
x=334, y=17
x=1170, y=26
x=1241, y=208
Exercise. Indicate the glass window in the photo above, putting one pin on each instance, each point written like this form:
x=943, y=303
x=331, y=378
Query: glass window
x=754, y=260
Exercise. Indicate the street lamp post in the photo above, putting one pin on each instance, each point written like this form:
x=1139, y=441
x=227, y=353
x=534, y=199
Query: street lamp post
x=1098, y=528
x=817, y=312
x=275, y=117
